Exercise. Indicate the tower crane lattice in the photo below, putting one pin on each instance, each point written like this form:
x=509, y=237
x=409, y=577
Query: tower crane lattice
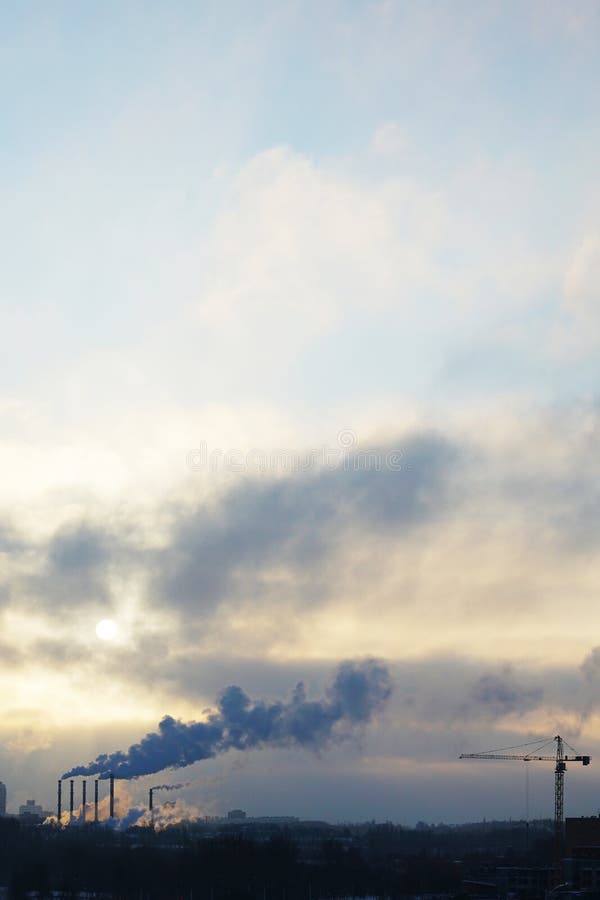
x=560, y=759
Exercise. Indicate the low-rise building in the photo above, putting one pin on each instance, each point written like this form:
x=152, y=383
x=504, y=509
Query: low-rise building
x=31, y=809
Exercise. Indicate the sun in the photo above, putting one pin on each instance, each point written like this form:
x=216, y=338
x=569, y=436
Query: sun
x=107, y=630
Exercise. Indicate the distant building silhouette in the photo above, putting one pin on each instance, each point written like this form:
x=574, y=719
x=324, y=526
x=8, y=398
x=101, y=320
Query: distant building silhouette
x=2, y=799
x=31, y=808
x=236, y=814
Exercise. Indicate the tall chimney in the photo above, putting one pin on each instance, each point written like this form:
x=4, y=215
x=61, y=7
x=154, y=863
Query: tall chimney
x=112, y=796
x=71, y=783
x=96, y=800
x=150, y=799
x=59, y=801
x=83, y=799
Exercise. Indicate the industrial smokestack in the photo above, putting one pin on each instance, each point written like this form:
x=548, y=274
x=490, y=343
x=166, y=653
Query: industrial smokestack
x=59, y=801
x=83, y=799
x=96, y=800
x=112, y=796
x=150, y=799
x=71, y=783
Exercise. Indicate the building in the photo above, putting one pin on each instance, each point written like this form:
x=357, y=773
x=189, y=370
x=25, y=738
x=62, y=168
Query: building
x=31, y=810
x=236, y=815
x=581, y=832
x=582, y=869
x=524, y=882
x=582, y=851
x=2, y=799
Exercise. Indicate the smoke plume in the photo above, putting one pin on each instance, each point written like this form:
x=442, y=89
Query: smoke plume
x=170, y=787
x=358, y=690
x=161, y=817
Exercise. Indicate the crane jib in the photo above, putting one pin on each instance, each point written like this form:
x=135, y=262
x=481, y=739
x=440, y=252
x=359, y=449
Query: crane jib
x=585, y=760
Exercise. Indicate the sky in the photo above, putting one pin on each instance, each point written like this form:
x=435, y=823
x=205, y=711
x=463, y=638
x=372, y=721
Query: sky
x=300, y=313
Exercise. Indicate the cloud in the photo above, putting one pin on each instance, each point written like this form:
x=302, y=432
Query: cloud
x=77, y=549
x=215, y=265
x=388, y=140
x=590, y=667
x=10, y=542
x=76, y=566
x=450, y=692
x=298, y=521
x=502, y=695
x=487, y=519
x=302, y=246
x=581, y=302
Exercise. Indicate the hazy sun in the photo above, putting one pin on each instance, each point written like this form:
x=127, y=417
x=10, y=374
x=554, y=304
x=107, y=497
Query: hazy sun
x=107, y=630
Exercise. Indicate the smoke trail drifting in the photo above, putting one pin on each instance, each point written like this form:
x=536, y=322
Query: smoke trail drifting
x=358, y=690
x=170, y=787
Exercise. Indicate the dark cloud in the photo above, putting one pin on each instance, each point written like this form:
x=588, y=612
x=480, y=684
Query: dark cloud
x=74, y=569
x=78, y=549
x=11, y=657
x=500, y=695
x=54, y=652
x=298, y=521
x=304, y=526
x=221, y=551
x=590, y=666
x=458, y=691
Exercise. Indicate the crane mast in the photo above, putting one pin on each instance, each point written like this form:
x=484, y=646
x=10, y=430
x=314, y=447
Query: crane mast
x=560, y=760
x=559, y=795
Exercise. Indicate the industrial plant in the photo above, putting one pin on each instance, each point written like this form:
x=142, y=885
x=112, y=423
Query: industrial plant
x=93, y=846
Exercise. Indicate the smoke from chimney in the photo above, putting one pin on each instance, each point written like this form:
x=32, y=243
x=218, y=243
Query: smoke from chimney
x=164, y=787
x=170, y=787
x=356, y=693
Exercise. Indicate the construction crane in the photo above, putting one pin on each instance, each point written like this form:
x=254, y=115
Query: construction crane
x=560, y=759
